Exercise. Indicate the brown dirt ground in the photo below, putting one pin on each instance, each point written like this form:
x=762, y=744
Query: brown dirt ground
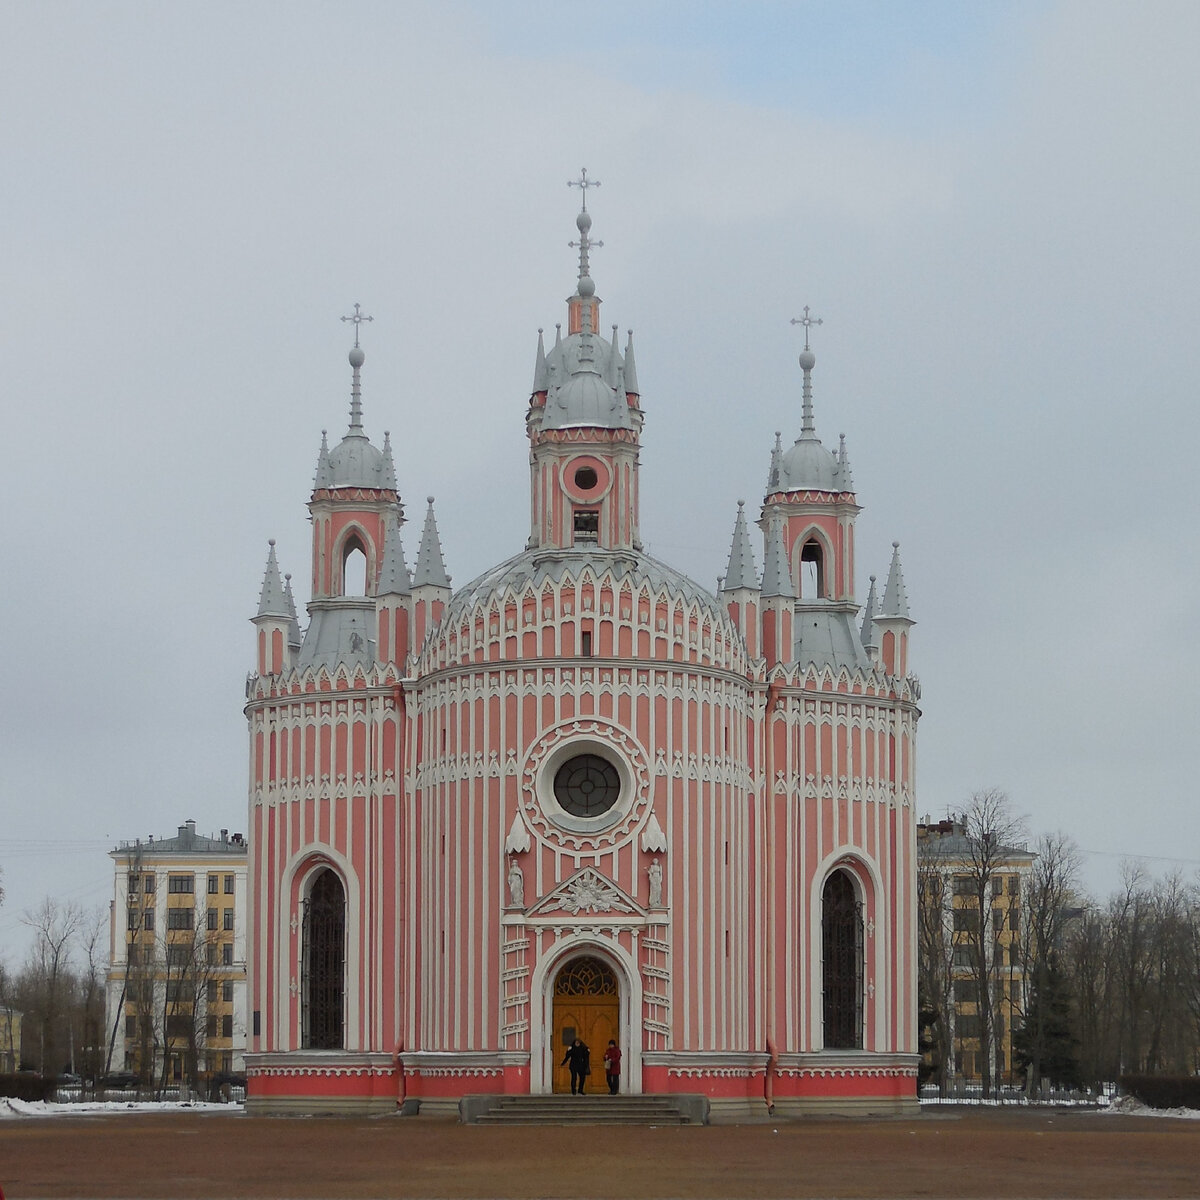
x=945, y=1154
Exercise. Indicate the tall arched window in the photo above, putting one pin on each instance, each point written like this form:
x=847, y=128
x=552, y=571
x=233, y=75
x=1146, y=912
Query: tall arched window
x=324, y=963
x=354, y=569
x=842, y=963
x=812, y=570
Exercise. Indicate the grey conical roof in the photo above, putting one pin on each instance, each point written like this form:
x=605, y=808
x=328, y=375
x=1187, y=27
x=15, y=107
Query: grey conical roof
x=895, y=598
x=394, y=579
x=430, y=569
x=540, y=379
x=272, y=602
x=631, y=379
x=741, y=572
x=867, y=632
x=324, y=475
x=777, y=578
x=294, y=639
x=389, y=466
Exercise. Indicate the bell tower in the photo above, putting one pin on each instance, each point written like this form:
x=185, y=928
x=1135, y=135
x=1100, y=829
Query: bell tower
x=584, y=423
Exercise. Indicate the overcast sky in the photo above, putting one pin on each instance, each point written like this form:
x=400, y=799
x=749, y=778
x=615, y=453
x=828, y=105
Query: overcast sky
x=994, y=208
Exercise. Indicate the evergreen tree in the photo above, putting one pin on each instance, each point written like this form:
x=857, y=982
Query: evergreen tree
x=1046, y=1045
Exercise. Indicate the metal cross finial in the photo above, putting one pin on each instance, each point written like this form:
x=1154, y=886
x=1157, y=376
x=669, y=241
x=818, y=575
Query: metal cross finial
x=583, y=183
x=359, y=318
x=808, y=322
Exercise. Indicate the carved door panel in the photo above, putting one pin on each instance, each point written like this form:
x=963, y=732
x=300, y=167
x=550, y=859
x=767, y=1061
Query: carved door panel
x=587, y=1005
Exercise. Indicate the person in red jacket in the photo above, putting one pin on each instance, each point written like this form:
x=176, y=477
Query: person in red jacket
x=612, y=1067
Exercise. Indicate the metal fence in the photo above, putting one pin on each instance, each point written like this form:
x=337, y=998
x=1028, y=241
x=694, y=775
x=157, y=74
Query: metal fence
x=964, y=1092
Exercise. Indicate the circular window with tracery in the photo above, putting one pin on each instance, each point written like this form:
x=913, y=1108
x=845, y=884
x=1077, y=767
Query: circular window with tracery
x=587, y=785
x=586, y=977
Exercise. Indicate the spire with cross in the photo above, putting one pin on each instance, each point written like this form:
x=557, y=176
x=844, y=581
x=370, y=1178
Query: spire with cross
x=808, y=360
x=808, y=322
x=358, y=318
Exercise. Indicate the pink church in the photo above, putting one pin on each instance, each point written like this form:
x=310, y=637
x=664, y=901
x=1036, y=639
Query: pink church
x=582, y=796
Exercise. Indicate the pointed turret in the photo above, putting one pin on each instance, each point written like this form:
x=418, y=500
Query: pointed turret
x=324, y=475
x=388, y=475
x=272, y=620
x=847, y=476
x=430, y=570
x=776, y=463
x=777, y=578
x=294, y=638
x=393, y=599
x=430, y=582
x=778, y=596
x=394, y=579
x=867, y=634
x=631, y=379
x=741, y=572
x=892, y=622
x=541, y=380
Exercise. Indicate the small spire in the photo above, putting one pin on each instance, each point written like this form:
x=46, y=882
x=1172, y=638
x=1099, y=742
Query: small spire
x=430, y=568
x=294, y=638
x=394, y=579
x=541, y=378
x=631, y=379
x=388, y=476
x=324, y=474
x=808, y=360
x=867, y=632
x=846, y=476
x=583, y=223
x=777, y=579
x=357, y=358
x=776, y=463
x=272, y=602
x=895, y=598
x=741, y=572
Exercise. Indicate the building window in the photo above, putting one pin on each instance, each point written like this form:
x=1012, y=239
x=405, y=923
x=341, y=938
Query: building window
x=812, y=571
x=213, y=882
x=229, y=919
x=148, y=886
x=587, y=525
x=211, y=991
x=212, y=954
x=180, y=884
x=227, y=992
x=587, y=785
x=966, y=991
x=133, y=884
x=227, y=1025
x=229, y=885
x=324, y=963
x=148, y=919
x=966, y=920
x=179, y=956
x=585, y=643
x=227, y=955
x=210, y=1025
x=179, y=1027
x=964, y=885
x=180, y=991
x=133, y=918
x=131, y=1026
x=134, y=950
x=842, y=962
x=212, y=918
x=179, y=918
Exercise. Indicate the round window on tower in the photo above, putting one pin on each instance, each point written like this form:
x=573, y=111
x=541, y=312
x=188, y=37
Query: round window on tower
x=587, y=785
x=585, y=479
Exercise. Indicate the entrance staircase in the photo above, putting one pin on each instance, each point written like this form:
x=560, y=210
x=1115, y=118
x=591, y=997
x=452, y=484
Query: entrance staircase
x=584, y=1110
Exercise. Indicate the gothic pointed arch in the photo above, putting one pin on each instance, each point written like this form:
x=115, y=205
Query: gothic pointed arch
x=842, y=962
x=812, y=564
x=324, y=966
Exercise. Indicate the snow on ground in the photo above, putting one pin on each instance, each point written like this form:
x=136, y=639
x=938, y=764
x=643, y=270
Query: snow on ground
x=1131, y=1106
x=85, y=1108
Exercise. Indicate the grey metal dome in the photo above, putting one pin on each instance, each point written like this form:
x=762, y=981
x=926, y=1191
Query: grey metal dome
x=354, y=462
x=808, y=465
x=586, y=385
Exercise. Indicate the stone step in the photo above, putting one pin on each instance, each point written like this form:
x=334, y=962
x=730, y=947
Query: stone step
x=584, y=1110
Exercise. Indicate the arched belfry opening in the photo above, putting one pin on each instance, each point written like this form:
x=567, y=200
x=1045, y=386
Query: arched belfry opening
x=587, y=1005
x=354, y=568
x=324, y=967
x=812, y=571
x=842, y=963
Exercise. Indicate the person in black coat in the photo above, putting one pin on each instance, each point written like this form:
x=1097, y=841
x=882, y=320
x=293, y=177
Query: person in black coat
x=580, y=1059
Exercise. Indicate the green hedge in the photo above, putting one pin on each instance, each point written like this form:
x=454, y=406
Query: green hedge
x=27, y=1086
x=1163, y=1091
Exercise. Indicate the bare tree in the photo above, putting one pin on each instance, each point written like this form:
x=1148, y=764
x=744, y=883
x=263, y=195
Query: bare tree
x=991, y=830
x=91, y=940
x=54, y=927
x=1048, y=906
x=936, y=954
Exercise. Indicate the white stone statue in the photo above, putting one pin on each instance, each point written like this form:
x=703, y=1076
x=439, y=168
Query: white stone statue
x=654, y=870
x=516, y=885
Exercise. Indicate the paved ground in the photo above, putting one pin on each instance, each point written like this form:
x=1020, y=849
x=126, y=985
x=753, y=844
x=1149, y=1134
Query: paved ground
x=944, y=1154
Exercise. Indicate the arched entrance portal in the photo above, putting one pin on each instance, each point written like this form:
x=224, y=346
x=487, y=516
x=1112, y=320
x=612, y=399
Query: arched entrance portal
x=587, y=1005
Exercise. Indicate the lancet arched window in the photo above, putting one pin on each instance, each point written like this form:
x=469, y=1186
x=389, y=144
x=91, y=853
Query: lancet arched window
x=354, y=568
x=812, y=570
x=324, y=963
x=842, y=962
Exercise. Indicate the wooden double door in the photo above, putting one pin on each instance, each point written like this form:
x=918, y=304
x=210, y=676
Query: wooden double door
x=587, y=1005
